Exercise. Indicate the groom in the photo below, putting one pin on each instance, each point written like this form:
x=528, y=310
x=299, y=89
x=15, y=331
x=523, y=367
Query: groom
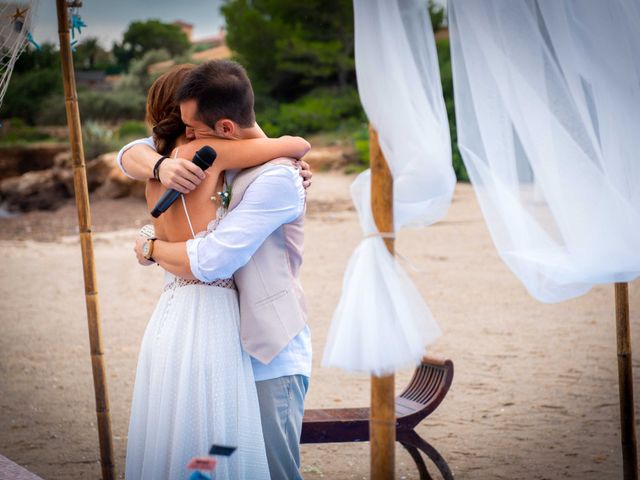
x=259, y=242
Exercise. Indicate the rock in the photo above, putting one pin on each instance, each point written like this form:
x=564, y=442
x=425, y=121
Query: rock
x=63, y=160
x=98, y=170
x=39, y=190
x=19, y=159
x=326, y=158
x=118, y=185
x=48, y=189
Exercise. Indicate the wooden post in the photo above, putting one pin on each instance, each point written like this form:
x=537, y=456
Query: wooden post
x=86, y=244
x=625, y=384
x=382, y=420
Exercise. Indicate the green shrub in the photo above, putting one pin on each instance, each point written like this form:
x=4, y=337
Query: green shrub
x=444, y=59
x=16, y=131
x=97, y=139
x=132, y=128
x=112, y=106
x=52, y=111
x=138, y=78
x=320, y=110
x=107, y=107
x=27, y=91
x=360, y=139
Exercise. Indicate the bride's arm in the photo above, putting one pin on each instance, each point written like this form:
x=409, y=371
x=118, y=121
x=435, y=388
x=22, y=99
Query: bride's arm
x=239, y=154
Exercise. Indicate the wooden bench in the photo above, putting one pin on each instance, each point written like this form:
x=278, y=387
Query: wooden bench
x=427, y=389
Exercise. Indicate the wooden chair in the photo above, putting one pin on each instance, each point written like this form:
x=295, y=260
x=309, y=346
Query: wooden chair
x=427, y=389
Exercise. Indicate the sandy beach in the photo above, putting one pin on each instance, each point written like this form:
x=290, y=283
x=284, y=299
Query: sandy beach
x=535, y=392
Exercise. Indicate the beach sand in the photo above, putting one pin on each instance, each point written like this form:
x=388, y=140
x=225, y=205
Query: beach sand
x=534, y=396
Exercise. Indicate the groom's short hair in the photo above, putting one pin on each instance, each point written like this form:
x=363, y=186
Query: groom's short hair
x=222, y=89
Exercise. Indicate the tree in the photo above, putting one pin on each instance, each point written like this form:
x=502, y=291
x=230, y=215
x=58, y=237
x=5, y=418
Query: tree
x=47, y=57
x=289, y=48
x=90, y=55
x=36, y=75
x=139, y=78
x=437, y=14
x=142, y=37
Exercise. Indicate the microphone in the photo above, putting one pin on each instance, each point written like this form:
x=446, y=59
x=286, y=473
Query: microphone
x=203, y=158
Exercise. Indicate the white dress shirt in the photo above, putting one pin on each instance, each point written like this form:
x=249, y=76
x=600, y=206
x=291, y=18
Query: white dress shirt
x=273, y=199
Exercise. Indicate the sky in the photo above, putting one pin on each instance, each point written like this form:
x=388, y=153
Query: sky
x=108, y=19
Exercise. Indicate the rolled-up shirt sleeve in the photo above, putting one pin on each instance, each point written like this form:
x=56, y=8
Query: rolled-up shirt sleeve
x=141, y=141
x=273, y=199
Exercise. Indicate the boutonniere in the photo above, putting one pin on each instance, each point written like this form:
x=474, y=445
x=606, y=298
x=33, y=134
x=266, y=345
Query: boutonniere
x=225, y=197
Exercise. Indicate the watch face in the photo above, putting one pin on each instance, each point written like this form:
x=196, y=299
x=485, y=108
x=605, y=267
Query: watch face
x=145, y=249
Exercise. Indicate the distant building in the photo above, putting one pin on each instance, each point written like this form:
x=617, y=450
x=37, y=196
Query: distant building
x=93, y=79
x=215, y=53
x=213, y=40
x=187, y=28
x=213, y=47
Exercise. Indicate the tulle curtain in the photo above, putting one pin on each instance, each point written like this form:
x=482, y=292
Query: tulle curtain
x=547, y=99
x=382, y=322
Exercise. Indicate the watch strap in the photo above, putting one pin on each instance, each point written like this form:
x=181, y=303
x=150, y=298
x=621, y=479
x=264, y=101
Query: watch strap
x=150, y=242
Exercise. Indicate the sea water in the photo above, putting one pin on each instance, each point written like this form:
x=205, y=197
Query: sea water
x=4, y=213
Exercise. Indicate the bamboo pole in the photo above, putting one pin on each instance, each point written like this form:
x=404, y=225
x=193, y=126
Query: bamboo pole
x=382, y=420
x=625, y=384
x=86, y=244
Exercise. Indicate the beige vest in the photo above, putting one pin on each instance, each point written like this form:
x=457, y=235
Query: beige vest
x=272, y=304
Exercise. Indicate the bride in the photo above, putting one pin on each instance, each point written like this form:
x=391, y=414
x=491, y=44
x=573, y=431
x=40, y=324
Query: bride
x=194, y=384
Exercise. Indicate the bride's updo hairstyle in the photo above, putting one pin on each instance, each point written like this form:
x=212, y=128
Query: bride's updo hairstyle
x=163, y=112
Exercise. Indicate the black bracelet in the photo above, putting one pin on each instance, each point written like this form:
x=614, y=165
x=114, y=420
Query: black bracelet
x=156, y=167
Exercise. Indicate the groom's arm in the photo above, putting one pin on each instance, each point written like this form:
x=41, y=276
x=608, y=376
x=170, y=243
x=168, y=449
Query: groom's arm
x=275, y=198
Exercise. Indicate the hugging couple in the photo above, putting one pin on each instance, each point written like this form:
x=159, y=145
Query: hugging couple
x=226, y=356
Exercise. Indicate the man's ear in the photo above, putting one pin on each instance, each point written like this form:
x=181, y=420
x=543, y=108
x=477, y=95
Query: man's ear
x=226, y=128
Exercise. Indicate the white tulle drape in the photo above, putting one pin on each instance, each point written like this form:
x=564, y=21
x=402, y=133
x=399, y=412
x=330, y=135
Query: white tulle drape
x=547, y=99
x=382, y=322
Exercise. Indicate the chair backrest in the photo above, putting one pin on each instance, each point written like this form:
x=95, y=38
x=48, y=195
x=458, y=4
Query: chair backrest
x=426, y=390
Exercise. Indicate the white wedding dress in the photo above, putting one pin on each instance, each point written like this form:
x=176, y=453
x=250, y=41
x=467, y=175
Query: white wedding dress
x=194, y=387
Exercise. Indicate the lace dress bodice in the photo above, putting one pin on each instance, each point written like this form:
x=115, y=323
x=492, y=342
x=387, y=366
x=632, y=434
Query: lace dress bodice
x=212, y=225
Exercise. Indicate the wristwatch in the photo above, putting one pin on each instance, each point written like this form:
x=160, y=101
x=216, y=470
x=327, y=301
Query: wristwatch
x=147, y=249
